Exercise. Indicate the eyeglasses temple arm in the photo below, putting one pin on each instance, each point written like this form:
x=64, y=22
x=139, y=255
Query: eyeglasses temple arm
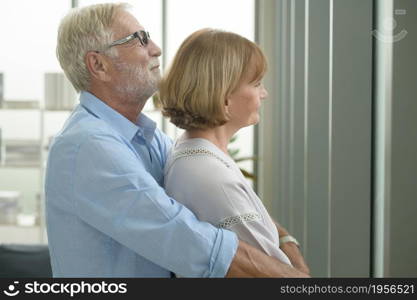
x=123, y=40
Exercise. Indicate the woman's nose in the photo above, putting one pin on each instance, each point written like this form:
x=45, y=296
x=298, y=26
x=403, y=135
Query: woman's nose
x=264, y=93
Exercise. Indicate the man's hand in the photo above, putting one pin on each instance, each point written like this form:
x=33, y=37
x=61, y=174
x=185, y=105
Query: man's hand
x=252, y=262
x=295, y=256
x=292, y=251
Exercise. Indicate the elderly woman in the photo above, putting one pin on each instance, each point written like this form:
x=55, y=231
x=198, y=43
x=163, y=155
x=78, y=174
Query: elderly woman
x=212, y=89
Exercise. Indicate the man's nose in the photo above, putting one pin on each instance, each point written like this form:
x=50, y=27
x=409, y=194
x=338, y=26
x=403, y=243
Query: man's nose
x=154, y=49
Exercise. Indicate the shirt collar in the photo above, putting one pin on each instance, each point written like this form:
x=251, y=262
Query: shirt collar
x=144, y=126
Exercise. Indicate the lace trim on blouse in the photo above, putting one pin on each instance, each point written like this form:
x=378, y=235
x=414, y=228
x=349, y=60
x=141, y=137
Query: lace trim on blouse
x=199, y=151
x=240, y=219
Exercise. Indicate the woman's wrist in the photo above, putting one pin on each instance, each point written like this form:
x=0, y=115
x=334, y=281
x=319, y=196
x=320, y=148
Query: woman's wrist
x=288, y=239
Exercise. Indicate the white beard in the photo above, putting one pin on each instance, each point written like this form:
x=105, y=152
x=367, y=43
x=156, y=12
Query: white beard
x=137, y=82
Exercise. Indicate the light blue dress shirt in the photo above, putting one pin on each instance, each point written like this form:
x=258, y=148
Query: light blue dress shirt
x=107, y=214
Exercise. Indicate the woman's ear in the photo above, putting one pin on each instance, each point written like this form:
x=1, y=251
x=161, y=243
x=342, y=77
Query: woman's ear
x=228, y=99
x=97, y=65
x=226, y=105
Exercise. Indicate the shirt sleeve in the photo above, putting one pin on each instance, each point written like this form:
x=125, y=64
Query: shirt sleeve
x=216, y=195
x=114, y=193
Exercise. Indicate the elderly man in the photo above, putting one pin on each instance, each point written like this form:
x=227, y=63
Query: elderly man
x=107, y=214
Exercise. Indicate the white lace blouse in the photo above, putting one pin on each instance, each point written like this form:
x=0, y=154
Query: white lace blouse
x=207, y=181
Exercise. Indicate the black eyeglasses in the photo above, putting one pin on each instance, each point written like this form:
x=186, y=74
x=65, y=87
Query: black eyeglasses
x=142, y=36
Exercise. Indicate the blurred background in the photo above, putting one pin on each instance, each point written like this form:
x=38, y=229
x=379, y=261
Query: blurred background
x=334, y=157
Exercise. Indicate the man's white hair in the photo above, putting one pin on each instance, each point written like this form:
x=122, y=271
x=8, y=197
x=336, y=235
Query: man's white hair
x=82, y=30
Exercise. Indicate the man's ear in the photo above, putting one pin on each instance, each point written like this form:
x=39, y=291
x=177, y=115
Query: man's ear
x=98, y=66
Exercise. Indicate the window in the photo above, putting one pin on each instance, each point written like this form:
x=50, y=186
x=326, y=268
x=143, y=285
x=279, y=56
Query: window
x=28, y=30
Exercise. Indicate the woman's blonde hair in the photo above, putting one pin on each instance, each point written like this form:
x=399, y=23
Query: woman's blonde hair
x=209, y=65
x=81, y=30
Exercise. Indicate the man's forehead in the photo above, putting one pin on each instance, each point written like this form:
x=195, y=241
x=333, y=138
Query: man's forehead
x=126, y=23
